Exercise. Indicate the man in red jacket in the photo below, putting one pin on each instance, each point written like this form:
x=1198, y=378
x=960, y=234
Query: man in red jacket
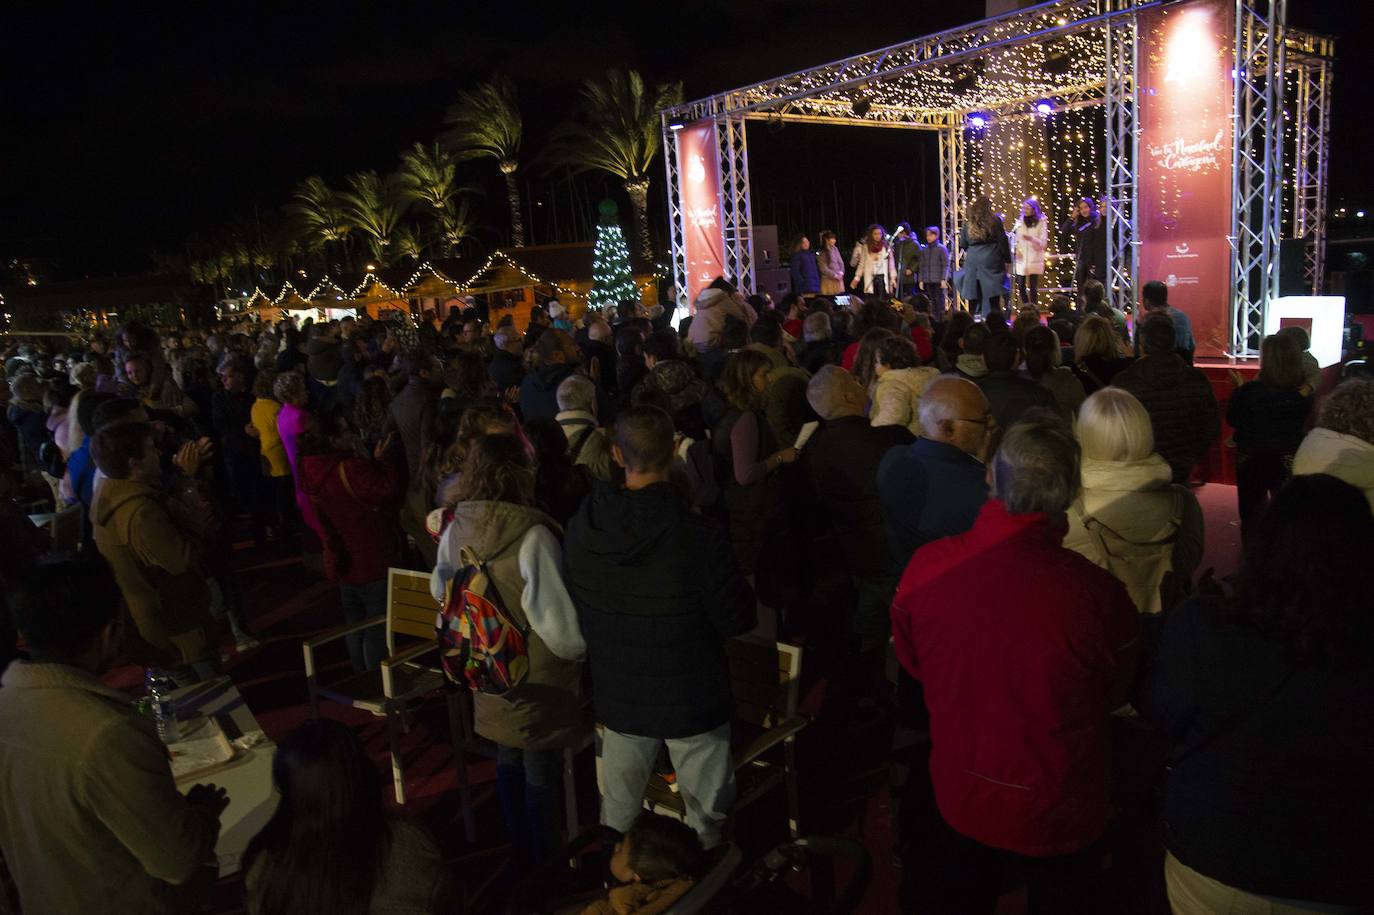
x=1024, y=649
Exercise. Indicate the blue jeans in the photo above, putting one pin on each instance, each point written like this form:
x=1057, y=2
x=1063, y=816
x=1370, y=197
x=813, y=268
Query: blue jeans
x=527, y=784
x=367, y=648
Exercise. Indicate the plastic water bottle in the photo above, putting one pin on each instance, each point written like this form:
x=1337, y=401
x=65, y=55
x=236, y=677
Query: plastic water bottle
x=159, y=685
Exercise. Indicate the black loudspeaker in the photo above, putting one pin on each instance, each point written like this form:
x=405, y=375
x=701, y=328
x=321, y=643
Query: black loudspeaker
x=1291, y=279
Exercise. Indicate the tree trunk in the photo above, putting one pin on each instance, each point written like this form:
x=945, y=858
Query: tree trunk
x=517, y=222
x=639, y=202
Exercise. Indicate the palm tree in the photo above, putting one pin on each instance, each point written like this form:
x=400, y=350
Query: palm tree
x=619, y=131
x=429, y=176
x=456, y=225
x=405, y=242
x=485, y=122
x=321, y=216
x=375, y=206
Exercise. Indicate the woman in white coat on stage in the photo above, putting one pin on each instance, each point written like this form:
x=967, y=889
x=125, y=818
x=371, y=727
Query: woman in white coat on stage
x=1029, y=238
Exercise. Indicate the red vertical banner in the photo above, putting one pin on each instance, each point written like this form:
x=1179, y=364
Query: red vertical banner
x=1186, y=96
x=698, y=175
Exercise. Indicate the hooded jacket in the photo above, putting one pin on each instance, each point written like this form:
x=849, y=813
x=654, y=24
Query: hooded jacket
x=1182, y=408
x=157, y=565
x=658, y=594
x=1131, y=520
x=520, y=549
x=1010, y=395
x=1021, y=671
x=539, y=390
x=711, y=308
x=355, y=501
x=675, y=378
x=1345, y=457
x=897, y=397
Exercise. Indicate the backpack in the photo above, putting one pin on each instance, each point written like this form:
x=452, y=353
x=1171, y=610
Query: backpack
x=480, y=644
x=1147, y=569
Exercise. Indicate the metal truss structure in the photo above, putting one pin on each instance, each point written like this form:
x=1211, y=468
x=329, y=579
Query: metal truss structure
x=1123, y=151
x=1257, y=168
x=1309, y=105
x=1079, y=52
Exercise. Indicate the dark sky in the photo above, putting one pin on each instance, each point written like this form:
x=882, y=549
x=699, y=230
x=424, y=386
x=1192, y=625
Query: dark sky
x=127, y=130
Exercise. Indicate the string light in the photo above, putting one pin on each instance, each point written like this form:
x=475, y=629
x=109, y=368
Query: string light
x=612, y=281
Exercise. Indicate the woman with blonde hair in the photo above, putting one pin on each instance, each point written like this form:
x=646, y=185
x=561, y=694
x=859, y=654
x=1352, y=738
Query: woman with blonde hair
x=1097, y=353
x=1130, y=518
x=982, y=280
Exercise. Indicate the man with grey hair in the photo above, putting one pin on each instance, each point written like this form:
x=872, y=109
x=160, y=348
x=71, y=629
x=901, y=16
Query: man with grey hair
x=819, y=348
x=841, y=460
x=507, y=368
x=1024, y=649
x=587, y=444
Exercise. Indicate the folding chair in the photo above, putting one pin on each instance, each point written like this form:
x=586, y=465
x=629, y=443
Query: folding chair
x=766, y=680
x=402, y=678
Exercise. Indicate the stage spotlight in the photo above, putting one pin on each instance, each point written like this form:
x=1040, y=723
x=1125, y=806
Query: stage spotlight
x=978, y=121
x=676, y=123
x=1044, y=108
x=965, y=81
x=861, y=107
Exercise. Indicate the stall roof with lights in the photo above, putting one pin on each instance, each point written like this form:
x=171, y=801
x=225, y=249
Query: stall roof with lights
x=1069, y=53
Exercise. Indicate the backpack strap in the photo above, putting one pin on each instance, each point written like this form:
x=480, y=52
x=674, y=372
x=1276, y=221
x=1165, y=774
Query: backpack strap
x=587, y=433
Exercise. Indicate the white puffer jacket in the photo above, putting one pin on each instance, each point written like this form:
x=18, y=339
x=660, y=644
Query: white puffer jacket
x=1345, y=457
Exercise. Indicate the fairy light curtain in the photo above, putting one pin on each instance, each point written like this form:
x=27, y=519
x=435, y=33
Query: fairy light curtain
x=1055, y=158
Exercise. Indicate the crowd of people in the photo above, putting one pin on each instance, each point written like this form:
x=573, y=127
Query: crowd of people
x=1006, y=500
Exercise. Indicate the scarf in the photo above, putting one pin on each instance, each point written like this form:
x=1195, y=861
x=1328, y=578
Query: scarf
x=874, y=247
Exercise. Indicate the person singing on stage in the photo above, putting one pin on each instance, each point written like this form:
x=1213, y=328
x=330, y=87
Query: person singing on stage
x=983, y=280
x=873, y=265
x=1031, y=235
x=1090, y=243
x=906, y=255
x=831, y=264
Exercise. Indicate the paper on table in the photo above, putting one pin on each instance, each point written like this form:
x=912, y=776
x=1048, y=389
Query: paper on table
x=806, y=432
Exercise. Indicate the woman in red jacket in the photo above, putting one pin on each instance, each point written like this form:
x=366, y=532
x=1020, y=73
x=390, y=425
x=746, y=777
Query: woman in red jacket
x=355, y=497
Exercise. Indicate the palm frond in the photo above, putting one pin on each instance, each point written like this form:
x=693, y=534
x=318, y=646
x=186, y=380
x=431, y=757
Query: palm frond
x=485, y=122
x=618, y=128
x=375, y=205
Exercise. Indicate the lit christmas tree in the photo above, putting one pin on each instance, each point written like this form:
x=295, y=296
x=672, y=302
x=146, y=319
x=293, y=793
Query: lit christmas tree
x=612, y=282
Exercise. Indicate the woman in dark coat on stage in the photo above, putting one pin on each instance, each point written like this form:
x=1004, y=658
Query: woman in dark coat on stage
x=1089, y=232
x=983, y=278
x=806, y=271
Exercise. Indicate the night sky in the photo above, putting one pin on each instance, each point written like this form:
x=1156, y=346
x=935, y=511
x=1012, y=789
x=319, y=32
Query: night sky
x=128, y=131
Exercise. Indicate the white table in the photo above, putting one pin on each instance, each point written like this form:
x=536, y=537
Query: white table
x=248, y=780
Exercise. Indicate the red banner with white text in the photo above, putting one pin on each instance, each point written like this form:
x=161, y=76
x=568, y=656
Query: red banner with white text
x=1185, y=95
x=698, y=171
